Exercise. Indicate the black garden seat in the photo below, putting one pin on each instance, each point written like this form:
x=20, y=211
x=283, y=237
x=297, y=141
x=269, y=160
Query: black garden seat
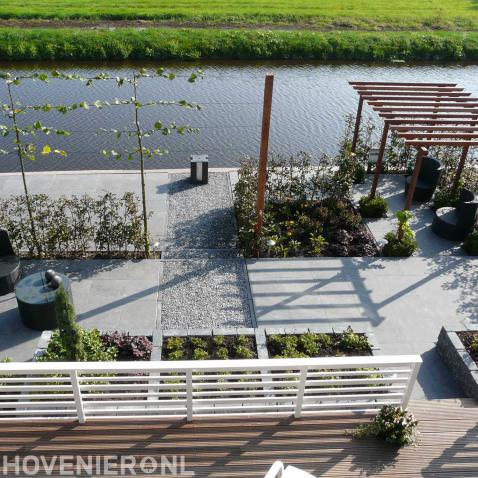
x=10, y=269
x=428, y=177
x=456, y=223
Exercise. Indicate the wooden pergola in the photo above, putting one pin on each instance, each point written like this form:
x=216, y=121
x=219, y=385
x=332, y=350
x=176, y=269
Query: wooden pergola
x=423, y=115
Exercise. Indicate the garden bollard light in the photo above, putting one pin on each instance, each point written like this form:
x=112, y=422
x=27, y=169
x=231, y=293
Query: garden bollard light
x=199, y=168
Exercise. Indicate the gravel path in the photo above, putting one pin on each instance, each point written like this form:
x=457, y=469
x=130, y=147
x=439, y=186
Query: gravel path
x=197, y=293
x=201, y=216
x=204, y=280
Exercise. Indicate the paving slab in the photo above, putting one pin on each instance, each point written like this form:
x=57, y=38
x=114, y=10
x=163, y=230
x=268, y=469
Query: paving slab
x=392, y=188
x=405, y=302
x=108, y=295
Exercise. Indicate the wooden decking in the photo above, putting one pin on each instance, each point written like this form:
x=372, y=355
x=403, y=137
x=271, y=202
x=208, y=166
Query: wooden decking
x=245, y=447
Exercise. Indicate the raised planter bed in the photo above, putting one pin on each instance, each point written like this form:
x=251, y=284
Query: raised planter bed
x=130, y=347
x=456, y=356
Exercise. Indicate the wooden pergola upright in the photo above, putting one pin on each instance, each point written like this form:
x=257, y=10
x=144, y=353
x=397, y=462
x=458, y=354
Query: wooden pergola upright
x=423, y=115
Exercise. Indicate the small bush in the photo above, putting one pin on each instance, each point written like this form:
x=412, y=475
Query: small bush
x=393, y=424
x=198, y=342
x=218, y=340
x=401, y=243
x=444, y=199
x=130, y=347
x=93, y=348
x=471, y=244
x=373, y=207
x=350, y=341
x=200, y=354
x=360, y=174
x=222, y=353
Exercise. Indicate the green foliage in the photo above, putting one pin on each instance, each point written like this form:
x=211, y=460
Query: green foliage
x=195, y=44
x=92, y=346
x=198, y=342
x=200, y=354
x=352, y=342
x=318, y=243
x=331, y=14
x=375, y=207
x=218, y=340
x=68, y=329
x=243, y=352
x=474, y=345
x=318, y=345
x=401, y=243
x=393, y=424
x=471, y=244
x=75, y=226
x=222, y=353
x=307, y=210
x=444, y=198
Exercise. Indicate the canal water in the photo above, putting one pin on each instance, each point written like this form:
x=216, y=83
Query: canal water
x=309, y=105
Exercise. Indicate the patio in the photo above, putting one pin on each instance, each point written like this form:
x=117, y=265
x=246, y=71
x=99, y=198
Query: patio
x=247, y=447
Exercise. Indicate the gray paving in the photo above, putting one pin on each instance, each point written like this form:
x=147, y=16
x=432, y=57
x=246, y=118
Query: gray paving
x=392, y=188
x=404, y=302
x=108, y=295
x=95, y=183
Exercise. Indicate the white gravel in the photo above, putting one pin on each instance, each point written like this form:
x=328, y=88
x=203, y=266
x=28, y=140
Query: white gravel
x=201, y=216
x=204, y=280
x=198, y=293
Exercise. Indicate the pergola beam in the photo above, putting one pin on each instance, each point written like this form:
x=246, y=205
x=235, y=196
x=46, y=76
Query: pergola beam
x=458, y=144
x=423, y=115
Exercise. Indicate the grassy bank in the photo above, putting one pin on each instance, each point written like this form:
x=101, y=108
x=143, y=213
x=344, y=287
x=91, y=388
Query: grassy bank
x=191, y=44
x=375, y=14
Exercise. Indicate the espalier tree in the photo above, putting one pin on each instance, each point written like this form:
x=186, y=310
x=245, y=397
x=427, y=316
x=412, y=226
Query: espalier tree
x=27, y=150
x=23, y=148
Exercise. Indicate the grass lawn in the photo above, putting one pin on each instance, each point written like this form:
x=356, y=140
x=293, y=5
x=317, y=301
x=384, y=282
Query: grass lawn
x=337, y=14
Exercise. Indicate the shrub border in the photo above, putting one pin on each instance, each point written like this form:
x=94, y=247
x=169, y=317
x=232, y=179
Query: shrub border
x=459, y=361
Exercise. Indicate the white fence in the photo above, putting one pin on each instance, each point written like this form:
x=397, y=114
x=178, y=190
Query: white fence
x=100, y=390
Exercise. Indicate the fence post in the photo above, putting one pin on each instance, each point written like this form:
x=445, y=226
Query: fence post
x=264, y=151
x=411, y=382
x=300, y=392
x=75, y=384
x=189, y=394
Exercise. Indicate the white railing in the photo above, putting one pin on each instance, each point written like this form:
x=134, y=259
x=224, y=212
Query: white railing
x=83, y=390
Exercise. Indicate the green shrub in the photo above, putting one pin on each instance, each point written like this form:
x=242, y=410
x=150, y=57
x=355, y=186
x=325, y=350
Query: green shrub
x=200, y=354
x=93, y=348
x=222, y=353
x=198, y=342
x=444, y=199
x=373, y=207
x=243, y=352
x=309, y=343
x=352, y=342
x=173, y=343
x=218, y=340
x=393, y=424
x=474, y=345
x=177, y=354
x=360, y=174
x=401, y=243
x=471, y=244
x=68, y=329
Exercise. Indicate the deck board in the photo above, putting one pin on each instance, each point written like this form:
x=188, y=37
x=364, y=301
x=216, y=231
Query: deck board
x=245, y=447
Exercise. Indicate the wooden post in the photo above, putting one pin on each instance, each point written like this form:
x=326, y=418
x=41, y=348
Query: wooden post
x=357, y=124
x=461, y=165
x=381, y=153
x=418, y=164
x=261, y=179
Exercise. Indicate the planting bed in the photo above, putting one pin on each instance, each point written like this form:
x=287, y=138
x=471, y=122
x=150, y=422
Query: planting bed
x=347, y=343
x=470, y=341
x=329, y=227
x=217, y=347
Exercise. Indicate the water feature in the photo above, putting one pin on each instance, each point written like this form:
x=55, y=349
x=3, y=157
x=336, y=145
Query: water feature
x=310, y=102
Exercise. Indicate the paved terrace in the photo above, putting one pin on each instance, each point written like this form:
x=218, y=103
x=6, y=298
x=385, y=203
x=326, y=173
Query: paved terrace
x=403, y=301
x=246, y=447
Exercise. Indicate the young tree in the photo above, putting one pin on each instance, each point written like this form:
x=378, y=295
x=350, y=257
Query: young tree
x=67, y=326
